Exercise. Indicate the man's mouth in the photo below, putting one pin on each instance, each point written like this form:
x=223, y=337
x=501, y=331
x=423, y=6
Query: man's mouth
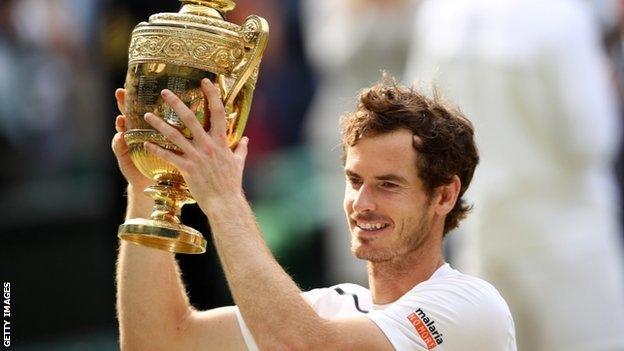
x=371, y=227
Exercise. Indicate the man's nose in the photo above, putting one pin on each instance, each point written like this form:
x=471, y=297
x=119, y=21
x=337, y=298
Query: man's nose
x=364, y=200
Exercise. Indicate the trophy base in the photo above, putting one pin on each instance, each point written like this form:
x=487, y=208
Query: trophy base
x=162, y=235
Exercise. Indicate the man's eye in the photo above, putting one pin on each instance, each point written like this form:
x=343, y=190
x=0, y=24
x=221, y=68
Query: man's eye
x=388, y=185
x=355, y=181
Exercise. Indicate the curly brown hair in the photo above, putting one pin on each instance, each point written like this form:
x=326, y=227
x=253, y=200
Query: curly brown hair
x=446, y=145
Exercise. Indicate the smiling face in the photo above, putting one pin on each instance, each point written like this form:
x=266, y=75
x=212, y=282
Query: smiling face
x=388, y=211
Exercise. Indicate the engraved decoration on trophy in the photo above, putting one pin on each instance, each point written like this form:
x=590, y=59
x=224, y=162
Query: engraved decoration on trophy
x=176, y=51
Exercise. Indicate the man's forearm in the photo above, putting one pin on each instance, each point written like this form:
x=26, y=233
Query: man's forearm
x=267, y=297
x=151, y=300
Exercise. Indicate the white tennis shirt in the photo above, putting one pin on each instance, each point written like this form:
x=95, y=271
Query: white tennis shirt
x=450, y=311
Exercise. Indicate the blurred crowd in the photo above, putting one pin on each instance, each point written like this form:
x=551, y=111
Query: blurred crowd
x=542, y=81
x=51, y=110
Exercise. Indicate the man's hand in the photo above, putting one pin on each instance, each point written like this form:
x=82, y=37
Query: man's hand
x=213, y=172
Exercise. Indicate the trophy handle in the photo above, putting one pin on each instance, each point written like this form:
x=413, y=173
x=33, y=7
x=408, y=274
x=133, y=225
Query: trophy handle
x=237, y=99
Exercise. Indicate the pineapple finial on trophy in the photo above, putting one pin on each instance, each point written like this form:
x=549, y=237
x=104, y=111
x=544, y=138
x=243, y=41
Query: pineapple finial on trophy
x=222, y=6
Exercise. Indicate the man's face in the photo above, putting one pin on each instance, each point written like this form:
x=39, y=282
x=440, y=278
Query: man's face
x=387, y=208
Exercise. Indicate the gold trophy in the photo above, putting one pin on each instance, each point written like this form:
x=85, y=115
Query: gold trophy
x=176, y=51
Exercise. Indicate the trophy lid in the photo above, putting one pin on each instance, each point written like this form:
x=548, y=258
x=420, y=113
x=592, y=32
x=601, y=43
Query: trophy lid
x=198, y=36
x=204, y=15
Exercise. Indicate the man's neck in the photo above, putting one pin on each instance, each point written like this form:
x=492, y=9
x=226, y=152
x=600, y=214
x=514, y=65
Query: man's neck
x=389, y=280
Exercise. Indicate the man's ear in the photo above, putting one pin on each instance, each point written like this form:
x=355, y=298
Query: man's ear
x=447, y=196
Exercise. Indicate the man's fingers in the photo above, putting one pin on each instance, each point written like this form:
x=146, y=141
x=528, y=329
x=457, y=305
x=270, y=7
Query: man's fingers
x=165, y=154
x=118, y=144
x=241, y=148
x=218, y=125
x=120, y=123
x=169, y=132
x=120, y=96
x=186, y=115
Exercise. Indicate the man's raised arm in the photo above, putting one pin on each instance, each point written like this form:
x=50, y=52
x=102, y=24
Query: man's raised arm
x=152, y=306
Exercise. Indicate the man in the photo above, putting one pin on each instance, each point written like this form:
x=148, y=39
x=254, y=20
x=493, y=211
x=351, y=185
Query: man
x=408, y=160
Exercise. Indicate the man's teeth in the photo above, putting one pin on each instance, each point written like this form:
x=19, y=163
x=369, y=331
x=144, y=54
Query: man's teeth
x=371, y=226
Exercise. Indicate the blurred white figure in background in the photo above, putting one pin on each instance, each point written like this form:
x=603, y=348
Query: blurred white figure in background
x=606, y=13
x=348, y=44
x=532, y=76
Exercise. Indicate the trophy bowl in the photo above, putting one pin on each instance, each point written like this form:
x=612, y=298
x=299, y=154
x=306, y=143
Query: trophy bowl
x=176, y=51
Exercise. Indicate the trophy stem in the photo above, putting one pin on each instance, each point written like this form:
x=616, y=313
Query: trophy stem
x=164, y=230
x=169, y=197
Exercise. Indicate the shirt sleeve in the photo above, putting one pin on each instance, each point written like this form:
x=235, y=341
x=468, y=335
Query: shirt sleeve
x=400, y=333
x=249, y=340
x=448, y=318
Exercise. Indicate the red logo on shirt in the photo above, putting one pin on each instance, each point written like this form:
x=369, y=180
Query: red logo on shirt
x=426, y=328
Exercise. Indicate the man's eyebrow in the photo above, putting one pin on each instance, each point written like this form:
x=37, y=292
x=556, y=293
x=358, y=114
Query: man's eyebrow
x=385, y=177
x=392, y=177
x=352, y=174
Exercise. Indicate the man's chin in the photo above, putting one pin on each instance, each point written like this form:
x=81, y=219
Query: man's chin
x=371, y=254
